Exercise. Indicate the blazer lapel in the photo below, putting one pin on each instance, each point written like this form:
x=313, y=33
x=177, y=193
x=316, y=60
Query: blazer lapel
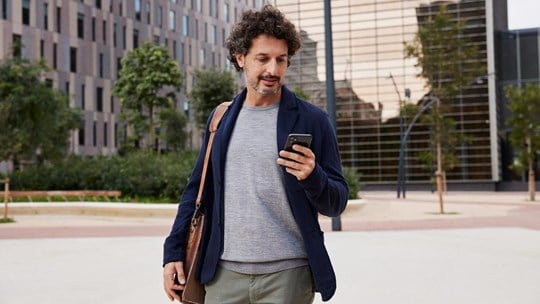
x=287, y=116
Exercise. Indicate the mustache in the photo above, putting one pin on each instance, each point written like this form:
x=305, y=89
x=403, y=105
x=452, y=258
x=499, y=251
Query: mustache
x=269, y=77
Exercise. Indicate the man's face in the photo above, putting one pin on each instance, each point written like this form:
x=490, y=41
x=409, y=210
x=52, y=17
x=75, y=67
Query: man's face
x=264, y=65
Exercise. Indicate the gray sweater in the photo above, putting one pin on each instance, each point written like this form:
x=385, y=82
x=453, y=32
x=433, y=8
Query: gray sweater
x=261, y=235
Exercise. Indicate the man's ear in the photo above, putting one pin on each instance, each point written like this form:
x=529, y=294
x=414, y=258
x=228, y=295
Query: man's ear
x=240, y=60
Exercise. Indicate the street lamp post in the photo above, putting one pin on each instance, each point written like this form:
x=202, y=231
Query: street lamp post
x=330, y=87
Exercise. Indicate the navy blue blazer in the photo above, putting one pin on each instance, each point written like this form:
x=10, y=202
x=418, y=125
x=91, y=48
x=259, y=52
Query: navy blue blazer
x=324, y=191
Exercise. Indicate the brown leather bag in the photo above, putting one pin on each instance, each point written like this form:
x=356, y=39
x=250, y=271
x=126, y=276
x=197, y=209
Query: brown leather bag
x=193, y=290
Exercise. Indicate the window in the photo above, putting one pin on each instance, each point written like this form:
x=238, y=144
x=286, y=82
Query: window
x=104, y=31
x=105, y=131
x=185, y=25
x=226, y=12
x=199, y=6
x=99, y=99
x=67, y=91
x=73, y=59
x=94, y=133
x=42, y=48
x=172, y=20
x=45, y=16
x=213, y=34
x=98, y=4
x=196, y=29
x=49, y=82
x=118, y=66
x=83, y=96
x=4, y=9
x=156, y=39
x=58, y=19
x=80, y=25
x=120, y=8
x=138, y=10
x=159, y=16
x=55, y=53
x=213, y=8
x=115, y=134
x=135, y=38
x=206, y=31
x=190, y=57
x=112, y=104
x=174, y=50
x=17, y=45
x=101, y=65
x=148, y=12
x=202, y=57
x=26, y=12
x=124, y=32
x=114, y=34
x=182, y=60
x=93, y=28
x=81, y=133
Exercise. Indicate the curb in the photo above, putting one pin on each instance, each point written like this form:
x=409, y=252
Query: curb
x=94, y=208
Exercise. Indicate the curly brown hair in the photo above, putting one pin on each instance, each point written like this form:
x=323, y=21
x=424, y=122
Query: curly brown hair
x=269, y=21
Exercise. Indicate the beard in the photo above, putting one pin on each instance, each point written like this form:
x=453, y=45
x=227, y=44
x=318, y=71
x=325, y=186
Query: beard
x=262, y=89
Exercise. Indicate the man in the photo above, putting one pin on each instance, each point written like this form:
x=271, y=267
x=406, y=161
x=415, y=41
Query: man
x=262, y=242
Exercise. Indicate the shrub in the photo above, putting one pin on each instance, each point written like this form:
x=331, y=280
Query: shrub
x=353, y=180
x=137, y=175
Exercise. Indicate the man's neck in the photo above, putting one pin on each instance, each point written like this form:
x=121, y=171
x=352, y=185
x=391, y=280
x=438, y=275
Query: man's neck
x=257, y=100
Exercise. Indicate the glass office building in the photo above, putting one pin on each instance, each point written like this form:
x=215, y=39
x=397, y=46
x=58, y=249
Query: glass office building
x=373, y=79
x=518, y=63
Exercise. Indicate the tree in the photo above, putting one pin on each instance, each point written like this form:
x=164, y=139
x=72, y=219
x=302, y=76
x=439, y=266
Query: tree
x=174, y=134
x=35, y=119
x=148, y=81
x=525, y=128
x=448, y=62
x=211, y=88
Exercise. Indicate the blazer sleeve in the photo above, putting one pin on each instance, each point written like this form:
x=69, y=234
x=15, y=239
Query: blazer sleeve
x=326, y=188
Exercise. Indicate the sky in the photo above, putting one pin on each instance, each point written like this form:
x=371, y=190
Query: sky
x=523, y=14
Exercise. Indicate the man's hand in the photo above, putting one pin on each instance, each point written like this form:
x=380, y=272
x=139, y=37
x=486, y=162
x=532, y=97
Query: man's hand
x=173, y=273
x=299, y=164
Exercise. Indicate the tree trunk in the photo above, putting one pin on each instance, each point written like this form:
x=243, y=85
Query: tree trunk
x=532, y=190
x=439, y=172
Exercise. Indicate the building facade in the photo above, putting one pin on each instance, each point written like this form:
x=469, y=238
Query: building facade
x=373, y=79
x=518, y=63
x=83, y=42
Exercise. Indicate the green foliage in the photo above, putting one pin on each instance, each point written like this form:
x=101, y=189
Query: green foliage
x=173, y=131
x=211, y=88
x=148, y=81
x=162, y=177
x=448, y=59
x=449, y=62
x=352, y=177
x=5, y=220
x=35, y=119
x=449, y=137
x=524, y=123
x=301, y=94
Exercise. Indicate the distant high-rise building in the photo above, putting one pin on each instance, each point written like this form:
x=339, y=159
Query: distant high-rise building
x=84, y=42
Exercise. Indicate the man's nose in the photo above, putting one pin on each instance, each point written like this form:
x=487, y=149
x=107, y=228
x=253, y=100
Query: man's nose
x=272, y=67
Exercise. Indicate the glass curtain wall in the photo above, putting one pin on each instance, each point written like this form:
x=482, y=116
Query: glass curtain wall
x=373, y=79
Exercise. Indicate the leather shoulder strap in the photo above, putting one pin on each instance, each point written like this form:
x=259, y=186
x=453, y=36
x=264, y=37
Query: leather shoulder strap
x=214, y=124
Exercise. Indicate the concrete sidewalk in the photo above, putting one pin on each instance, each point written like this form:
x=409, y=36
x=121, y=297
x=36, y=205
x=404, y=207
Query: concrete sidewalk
x=485, y=249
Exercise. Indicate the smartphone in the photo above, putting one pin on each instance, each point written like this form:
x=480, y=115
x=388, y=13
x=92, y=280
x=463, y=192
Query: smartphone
x=299, y=139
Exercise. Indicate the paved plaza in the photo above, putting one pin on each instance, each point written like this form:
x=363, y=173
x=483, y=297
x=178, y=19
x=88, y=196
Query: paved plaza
x=484, y=249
